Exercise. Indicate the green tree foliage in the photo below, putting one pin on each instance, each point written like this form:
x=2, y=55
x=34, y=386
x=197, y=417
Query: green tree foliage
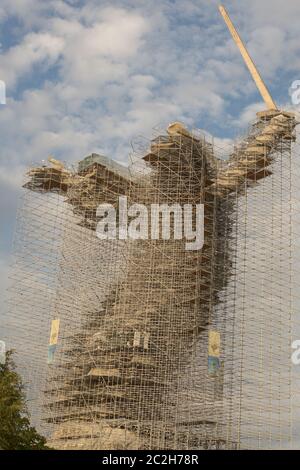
x=16, y=433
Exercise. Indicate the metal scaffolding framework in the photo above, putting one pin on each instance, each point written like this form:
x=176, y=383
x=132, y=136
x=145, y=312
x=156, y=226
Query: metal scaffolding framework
x=153, y=346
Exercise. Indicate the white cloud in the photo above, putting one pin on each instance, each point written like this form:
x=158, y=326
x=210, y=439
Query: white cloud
x=35, y=48
x=268, y=46
x=100, y=53
x=248, y=114
x=111, y=69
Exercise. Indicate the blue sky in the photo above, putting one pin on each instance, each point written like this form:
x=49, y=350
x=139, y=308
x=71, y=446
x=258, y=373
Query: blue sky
x=91, y=76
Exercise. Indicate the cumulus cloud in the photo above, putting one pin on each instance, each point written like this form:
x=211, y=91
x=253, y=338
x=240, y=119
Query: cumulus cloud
x=248, y=114
x=118, y=71
x=35, y=48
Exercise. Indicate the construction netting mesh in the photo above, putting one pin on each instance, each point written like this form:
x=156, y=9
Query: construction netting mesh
x=154, y=346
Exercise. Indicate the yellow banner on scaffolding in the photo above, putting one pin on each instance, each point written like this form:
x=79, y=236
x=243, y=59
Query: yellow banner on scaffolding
x=54, y=332
x=214, y=343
